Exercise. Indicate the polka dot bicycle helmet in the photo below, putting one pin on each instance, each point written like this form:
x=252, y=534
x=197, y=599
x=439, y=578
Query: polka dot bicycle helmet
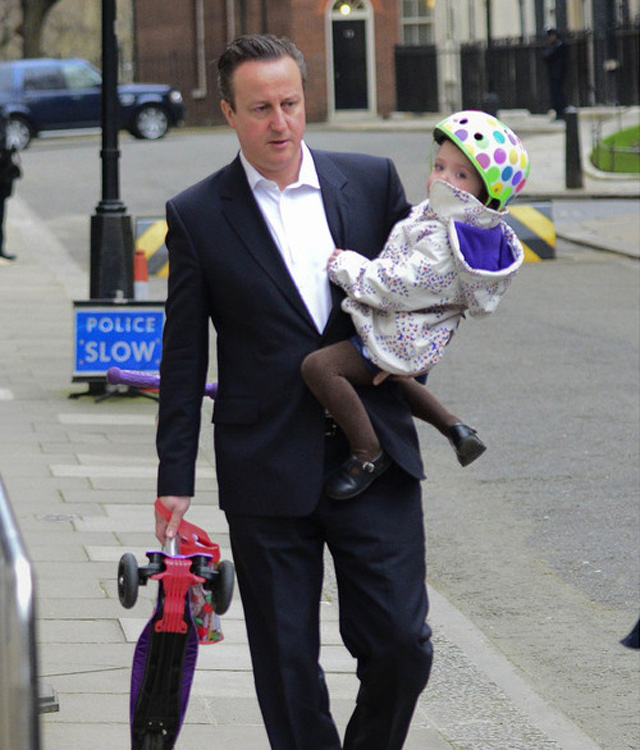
x=493, y=148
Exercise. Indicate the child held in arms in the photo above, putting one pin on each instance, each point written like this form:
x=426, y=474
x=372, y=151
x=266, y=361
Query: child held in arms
x=453, y=254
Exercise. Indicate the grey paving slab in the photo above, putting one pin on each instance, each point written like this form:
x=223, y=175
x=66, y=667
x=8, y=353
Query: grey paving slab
x=83, y=708
x=19, y=465
x=52, y=608
x=40, y=493
x=35, y=522
x=224, y=737
x=102, y=497
x=68, y=660
x=101, y=471
x=58, y=531
x=66, y=510
x=69, y=588
x=80, y=631
x=115, y=484
x=80, y=736
x=114, y=680
x=223, y=710
x=62, y=551
x=54, y=449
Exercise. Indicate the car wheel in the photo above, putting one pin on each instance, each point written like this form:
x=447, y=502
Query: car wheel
x=19, y=132
x=150, y=122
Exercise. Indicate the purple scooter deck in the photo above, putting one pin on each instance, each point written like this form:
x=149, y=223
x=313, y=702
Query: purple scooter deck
x=194, y=587
x=164, y=663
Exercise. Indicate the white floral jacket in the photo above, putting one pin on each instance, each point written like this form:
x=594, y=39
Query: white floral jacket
x=449, y=256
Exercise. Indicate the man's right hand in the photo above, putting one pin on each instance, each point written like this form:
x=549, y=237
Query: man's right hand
x=178, y=505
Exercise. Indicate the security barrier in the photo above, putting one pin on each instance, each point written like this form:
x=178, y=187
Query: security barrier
x=19, y=723
x=533, y=223
x=150, y=233
x=534, y=226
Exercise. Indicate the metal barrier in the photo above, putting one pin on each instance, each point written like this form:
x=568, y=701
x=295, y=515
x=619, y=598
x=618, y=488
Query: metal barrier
x=19, y=723
x=603, y=155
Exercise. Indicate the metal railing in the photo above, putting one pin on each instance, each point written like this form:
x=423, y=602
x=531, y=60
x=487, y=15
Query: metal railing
x=602, y=68
x=606, y=156
x=19, y=723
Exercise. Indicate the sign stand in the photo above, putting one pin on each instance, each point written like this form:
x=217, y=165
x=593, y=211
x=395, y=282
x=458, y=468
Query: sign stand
x=116, y=333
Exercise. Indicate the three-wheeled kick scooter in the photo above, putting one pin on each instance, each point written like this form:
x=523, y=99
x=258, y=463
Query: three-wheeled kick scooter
x=195, y=587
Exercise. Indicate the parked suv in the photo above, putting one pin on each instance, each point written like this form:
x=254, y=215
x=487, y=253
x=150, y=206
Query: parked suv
x=44, y=94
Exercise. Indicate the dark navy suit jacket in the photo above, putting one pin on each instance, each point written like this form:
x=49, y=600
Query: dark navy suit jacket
x=225, y=268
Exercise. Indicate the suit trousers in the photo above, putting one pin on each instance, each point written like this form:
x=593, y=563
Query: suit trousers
x=377, y=544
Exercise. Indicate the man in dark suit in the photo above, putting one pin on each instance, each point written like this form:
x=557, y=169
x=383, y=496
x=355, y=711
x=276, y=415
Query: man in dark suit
x=248, y=249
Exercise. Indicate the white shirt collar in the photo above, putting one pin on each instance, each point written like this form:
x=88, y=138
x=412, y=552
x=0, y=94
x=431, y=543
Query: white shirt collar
x=307, y=175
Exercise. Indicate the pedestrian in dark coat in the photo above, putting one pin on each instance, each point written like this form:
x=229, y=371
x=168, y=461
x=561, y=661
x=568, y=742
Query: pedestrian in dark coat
x=555, y=56
x=9, y=172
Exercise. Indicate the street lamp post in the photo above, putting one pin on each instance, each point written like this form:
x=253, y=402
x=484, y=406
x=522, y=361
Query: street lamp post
x=111, y=275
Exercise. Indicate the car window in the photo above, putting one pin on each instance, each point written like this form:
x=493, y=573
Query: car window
x=6, y=78
x=43, y=79
x=80, y=76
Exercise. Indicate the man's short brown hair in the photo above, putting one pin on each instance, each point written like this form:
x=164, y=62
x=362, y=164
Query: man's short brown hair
x=254, y=47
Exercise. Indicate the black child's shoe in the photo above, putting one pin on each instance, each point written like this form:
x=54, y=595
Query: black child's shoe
x=466, y=443
x=354, y=476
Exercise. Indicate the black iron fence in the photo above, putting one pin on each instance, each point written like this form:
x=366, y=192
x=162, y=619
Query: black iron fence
x=603, y=68
x=417, y=78
x=627, y=74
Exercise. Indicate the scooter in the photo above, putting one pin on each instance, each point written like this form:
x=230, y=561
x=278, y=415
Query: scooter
x=195, y=587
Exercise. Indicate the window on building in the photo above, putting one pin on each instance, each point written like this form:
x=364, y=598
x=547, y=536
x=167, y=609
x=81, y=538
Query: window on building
x=417, y=21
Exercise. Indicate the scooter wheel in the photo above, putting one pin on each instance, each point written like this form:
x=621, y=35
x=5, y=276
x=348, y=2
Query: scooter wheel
x=223, y=590
x=153, y=742
x=128, y=580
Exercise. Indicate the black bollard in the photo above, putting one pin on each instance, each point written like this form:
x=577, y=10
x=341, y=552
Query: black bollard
x=573, y=159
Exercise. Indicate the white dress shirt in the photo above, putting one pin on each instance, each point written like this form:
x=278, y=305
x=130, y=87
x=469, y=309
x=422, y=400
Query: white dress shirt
x=298, y=224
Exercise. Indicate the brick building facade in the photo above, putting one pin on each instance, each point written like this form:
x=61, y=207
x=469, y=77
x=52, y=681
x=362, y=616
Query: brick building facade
x=350, y=55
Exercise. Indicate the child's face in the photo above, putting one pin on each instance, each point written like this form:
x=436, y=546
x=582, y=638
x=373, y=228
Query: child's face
x=452, y=166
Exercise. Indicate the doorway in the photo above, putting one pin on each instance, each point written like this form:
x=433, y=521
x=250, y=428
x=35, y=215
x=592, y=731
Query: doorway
x=353, y=68
x=350, y=65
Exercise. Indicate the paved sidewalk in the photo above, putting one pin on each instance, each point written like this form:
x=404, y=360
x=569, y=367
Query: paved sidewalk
x=81, y=479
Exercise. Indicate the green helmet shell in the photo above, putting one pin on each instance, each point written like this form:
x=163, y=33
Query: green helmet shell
x=493, y=148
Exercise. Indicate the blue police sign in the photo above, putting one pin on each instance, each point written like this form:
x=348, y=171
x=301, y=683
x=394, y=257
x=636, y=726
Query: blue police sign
x=113, y=334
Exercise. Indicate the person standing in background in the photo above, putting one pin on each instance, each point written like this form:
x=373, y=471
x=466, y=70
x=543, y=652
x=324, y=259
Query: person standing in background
x=555, y=57
x=9, y=172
